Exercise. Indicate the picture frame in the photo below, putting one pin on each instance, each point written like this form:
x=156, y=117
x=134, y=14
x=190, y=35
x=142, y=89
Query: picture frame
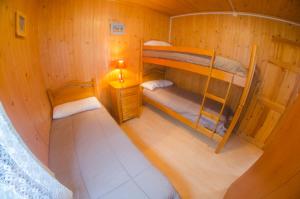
x=20, y=24
x=117, y=28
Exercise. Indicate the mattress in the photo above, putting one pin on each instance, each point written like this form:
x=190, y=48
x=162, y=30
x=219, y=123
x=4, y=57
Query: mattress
x=94, y=158
x=188, y=105
x=221, y=63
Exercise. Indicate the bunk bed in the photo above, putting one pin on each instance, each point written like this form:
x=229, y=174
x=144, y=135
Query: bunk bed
x=207, y=113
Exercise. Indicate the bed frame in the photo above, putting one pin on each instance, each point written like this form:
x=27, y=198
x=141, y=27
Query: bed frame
x=211, y=73
x=73, y=90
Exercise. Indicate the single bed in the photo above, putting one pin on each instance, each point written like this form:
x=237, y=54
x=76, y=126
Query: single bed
x=188, y=105
x=94, y=158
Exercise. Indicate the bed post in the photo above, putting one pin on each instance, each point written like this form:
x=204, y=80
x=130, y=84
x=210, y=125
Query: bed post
x=251, y=68
x=141, y=76
x=141, y=62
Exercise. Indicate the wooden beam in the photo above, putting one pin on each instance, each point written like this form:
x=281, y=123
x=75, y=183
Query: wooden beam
x=177, y=49
x=287, y=41
x=271, y=104
x=285, y=65
x=199, y=69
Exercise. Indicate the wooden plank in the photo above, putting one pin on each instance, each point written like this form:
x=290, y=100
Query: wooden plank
x=225, y=76
x=218, y=138
x=273, y=105
x=267, y=128
x=222, y=75
x=215, y=98
x=71, y=91
x=202, y=70
x=210, y=115
x=211, y=134
x=285, y=65
x=286, y=41
x=205, y=131
x=194, y=68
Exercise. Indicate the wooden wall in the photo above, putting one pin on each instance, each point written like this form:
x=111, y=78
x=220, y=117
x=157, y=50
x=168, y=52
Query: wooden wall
x=231, y=37
x=22, y=90
x=277, y=173
x=75, y=39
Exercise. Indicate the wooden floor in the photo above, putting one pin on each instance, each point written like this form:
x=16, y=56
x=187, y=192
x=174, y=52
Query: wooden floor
x=186, y=157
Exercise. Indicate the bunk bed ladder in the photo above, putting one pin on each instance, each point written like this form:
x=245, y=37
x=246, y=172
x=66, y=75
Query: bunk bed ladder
x=213, y=117
x=222, y=101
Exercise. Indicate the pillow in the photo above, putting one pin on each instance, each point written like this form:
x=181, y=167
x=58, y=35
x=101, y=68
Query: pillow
x=151, y=85
x=70, y=108
x=156, y=43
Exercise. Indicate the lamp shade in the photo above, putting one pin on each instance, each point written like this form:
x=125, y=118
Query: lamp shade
x=120, y=64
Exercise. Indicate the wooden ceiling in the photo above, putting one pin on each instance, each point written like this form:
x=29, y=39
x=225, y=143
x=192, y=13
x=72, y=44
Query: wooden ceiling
x=285, y=9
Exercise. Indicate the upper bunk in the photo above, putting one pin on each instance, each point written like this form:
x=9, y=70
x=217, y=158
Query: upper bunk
x=195, y=60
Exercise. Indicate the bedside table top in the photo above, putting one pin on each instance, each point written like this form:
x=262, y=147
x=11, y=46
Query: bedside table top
x=125, y=84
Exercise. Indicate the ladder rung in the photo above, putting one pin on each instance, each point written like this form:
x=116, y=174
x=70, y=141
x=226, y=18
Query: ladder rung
x=216, y=98
x=205, y=130
x=210, y=115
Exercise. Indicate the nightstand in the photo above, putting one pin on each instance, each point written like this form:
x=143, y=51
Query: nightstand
x=126, y=101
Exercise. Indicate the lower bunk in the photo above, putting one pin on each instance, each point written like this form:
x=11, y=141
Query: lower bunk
x=184, y=106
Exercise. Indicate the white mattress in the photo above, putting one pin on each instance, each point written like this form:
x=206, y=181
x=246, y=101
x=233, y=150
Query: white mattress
x=94, y=158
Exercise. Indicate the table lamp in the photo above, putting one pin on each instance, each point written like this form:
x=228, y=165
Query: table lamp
x=121, y=65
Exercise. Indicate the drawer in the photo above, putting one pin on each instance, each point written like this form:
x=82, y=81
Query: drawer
x=130, y=91
x=129, y=107
x=128, y=100
x=129, y=113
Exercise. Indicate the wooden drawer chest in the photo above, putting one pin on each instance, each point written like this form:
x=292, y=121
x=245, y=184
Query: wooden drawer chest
x=126, y=100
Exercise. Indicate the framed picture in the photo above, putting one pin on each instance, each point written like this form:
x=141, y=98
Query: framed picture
x=117, y=28
x=20, y=24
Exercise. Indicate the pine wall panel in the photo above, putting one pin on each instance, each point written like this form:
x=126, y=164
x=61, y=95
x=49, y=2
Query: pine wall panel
x=22, y=89
x=75, y=39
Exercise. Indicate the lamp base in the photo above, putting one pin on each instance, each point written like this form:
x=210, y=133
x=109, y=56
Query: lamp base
x=121, y=79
